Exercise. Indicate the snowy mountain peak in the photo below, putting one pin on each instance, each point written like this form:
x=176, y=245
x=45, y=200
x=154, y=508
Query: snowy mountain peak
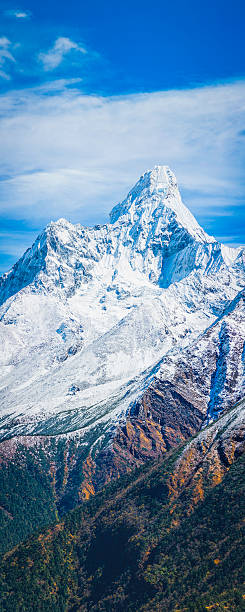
x=61, y=224
x=158, y=181
x=159, y=178
x=156, y=197
x=152, y=236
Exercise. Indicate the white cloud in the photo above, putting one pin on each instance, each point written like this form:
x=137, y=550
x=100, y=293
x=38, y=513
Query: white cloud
x=18, y=13
x=4, y=42
x=54, y=56
x=5, y=57
x=80, y=154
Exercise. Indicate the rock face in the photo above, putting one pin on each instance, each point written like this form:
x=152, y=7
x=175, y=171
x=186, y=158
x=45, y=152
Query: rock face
x=189, y=391
x=120, y=341
x=207, y=458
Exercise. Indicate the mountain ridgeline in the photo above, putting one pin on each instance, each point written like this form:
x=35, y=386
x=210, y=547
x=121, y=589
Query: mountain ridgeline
x=119, y=343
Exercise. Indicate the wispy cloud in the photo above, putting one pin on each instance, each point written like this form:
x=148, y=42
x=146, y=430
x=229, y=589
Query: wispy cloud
x=6, y=57
x=18, y=14
x=80, y=153
x=55, y=55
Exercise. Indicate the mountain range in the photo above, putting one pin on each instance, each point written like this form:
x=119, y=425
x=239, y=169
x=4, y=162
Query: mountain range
x=119, y=343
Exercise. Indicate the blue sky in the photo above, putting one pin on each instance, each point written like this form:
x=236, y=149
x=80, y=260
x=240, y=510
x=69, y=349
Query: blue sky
x=93, y=94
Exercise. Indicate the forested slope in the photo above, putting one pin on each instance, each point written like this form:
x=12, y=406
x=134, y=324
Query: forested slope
x=169, y=536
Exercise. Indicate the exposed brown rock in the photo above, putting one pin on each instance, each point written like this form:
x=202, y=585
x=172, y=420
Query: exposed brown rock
x=87, y=488
x=162, y=419
x=207, y=458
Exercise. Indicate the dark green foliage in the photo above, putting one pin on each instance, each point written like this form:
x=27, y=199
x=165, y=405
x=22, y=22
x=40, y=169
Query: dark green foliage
x=122, y=551
x=26, y=499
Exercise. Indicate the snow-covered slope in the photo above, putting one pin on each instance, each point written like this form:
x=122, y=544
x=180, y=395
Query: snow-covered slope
x=88, y=314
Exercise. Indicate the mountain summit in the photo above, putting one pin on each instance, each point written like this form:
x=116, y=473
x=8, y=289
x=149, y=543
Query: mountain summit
x=151, y=232
x=152, y=235
x=154, y=197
